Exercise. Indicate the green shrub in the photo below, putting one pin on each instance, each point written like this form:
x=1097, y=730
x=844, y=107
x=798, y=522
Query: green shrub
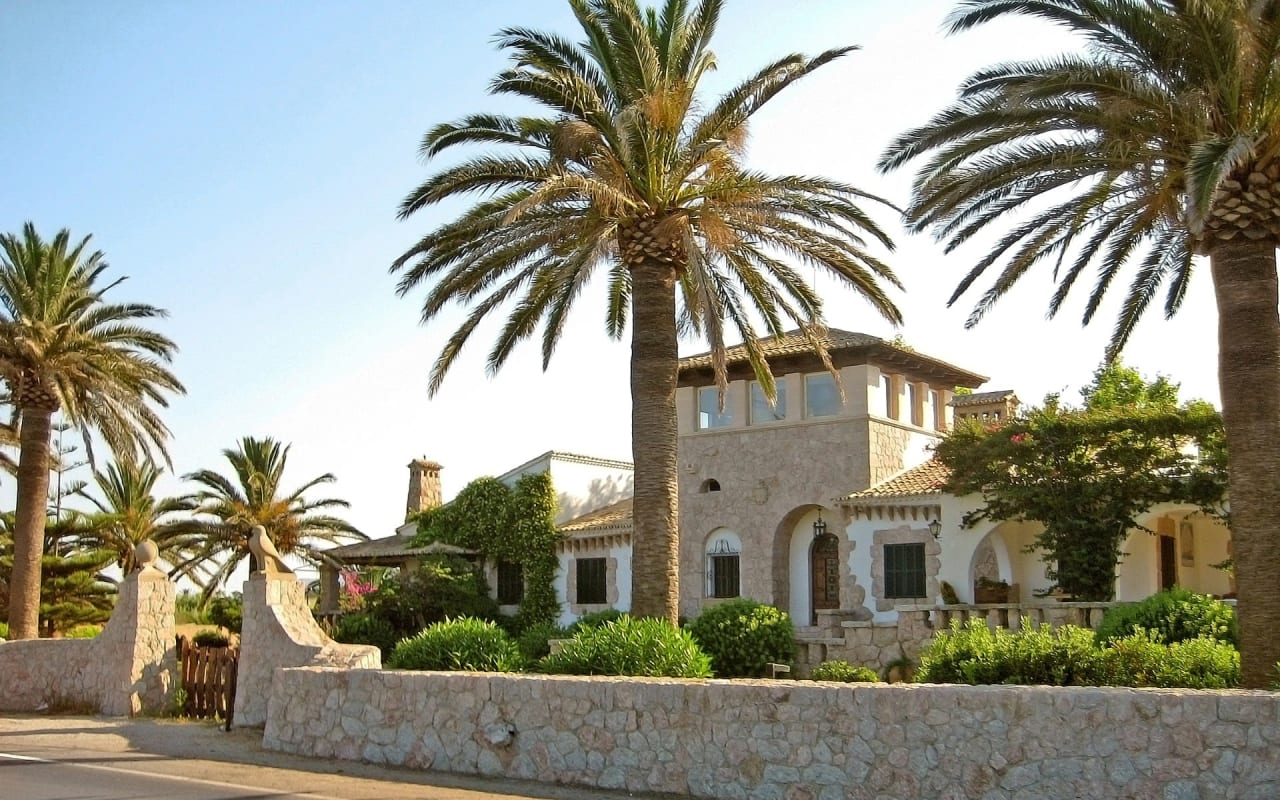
x=4, y=630
x=366, y=629
x=743, y=636
x=843, y=672
x=535, y=641
x=1174, y=615
x=465, y=643
x=629, y=646
x=1144, y=660
x=210, y=638
x=596, y=619
x=444, y=587
x=188, y=609
x=82, y=632
x=227, y=611
x=976, y=654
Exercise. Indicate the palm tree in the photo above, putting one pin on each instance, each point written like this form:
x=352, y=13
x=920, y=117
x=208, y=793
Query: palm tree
x=129, y=514
x=629, y=173
x=256, y=496
x=1157, y=142
x=62, y=346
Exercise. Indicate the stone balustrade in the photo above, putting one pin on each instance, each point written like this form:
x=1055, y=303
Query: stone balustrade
x=1011, y=615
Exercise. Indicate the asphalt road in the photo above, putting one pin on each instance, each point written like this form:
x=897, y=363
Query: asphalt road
x=92, y=758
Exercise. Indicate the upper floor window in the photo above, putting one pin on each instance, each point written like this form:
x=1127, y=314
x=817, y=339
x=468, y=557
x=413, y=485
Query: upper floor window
x=709, y=413
x=913, y=397
x=904, y=575
x=510, y=582
x=761, y=411
x=592, y=581
x=933, y=412
x=821, y=397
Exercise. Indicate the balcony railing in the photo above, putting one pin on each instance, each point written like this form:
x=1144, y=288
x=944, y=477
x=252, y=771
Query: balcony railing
x=1011, y=615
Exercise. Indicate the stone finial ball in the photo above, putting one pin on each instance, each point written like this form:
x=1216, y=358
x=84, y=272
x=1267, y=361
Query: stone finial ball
x=146, y=553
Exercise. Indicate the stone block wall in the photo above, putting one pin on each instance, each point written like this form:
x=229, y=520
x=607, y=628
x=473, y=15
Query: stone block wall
x=784, y=739
x=129, y=668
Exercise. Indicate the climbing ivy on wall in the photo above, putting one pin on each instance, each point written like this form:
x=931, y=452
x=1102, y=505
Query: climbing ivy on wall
x=509, y=524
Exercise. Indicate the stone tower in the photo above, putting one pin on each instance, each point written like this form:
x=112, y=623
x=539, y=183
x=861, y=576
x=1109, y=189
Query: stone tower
x=424, y=486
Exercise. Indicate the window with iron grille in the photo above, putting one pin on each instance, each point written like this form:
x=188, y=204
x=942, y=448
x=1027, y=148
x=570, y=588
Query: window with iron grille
x=591, y=581
x=724, y=575
x=904, y=570
x=510, y=583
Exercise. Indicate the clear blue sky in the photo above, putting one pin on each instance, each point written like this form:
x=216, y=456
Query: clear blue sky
x=242, y=162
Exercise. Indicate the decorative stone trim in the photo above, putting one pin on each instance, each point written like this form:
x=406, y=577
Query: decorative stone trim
x=932, y=563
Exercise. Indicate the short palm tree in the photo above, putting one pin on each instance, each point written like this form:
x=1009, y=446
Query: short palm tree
x=629, y=173
x=129, y=513
x=1158, y=142
x=255, y=495
x=63, y=346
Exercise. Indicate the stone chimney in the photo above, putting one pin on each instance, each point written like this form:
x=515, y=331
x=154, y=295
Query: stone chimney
x=424, y=486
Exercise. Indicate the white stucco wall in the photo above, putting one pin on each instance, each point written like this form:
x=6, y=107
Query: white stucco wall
x=582, y=484
x=798, y=553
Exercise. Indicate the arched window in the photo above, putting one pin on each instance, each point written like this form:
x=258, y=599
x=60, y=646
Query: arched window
x=724, y=575
x=710, y=485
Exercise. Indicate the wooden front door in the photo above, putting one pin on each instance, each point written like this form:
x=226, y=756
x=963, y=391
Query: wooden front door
x=824, y=572
x=1168, y=562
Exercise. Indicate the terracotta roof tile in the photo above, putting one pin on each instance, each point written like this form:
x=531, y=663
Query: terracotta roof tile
x=789, y=343
x=392, y=547
x=926, y=479
x=979, y=398
x=616, y=516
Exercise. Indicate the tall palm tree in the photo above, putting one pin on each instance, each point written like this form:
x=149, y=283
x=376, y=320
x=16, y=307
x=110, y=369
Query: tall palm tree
x=255, y=495
x=129, y=513
x=1159, y=141
x=629, y=173
x=63, y=346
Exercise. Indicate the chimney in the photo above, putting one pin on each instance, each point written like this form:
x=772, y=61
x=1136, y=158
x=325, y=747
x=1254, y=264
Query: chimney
x=424, y=486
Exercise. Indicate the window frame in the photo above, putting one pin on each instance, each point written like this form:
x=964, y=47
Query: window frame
x=901, y=568
x=716, y=418
x=808, y=393
x=585, y=568
x=773, y=412
x=506, y=582
x=724, y=581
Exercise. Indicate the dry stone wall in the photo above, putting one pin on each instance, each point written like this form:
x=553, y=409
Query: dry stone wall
x=127, y=669
x=793, y=740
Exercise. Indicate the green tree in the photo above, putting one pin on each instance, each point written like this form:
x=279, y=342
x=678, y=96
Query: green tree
x=1153, y=144
x=129, y=513
x=629, y=172
x=74, y=592
x=1086, y=474
x=255, y=495
x=63, y=346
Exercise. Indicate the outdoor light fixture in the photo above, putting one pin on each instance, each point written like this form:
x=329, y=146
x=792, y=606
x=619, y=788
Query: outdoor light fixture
x=819, y=527
x=935, y=527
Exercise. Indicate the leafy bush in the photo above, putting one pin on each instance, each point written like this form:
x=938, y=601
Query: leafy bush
x=976, y=654
x=596, y=619
x=465, y=643
x=535, y=641
x=210, y=638
x=445, y=587
x=4, y=630
x=82, y=632
x=188, y=609
x=1174, y=615
x=366, y=629
x=743, y=636
x=227, y=611
x=844, y=672
x=1144, y=660
x=629, y=646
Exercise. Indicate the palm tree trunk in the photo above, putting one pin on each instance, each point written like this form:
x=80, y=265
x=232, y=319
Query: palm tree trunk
x=1244, y=279
x=655, y=538
x=28, y=535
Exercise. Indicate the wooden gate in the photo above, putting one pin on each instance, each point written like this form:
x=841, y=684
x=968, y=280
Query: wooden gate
x=208, y=679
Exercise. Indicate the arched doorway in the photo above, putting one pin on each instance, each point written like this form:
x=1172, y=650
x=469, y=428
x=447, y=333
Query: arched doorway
x=824, y=572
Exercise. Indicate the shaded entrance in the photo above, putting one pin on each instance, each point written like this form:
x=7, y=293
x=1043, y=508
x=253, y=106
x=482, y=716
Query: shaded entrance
x=824, y=571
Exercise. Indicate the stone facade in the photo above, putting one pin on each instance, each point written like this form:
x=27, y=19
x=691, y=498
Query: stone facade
x=129, y=668
x=794, y=740
x=279, y=631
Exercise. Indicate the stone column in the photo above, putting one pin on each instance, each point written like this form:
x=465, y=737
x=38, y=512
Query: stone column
x=136, y=651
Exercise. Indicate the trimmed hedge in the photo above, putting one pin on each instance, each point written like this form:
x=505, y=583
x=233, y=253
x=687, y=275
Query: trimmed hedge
x=466, y=644
x=366, y=629
x=743, y=637
x=628, y=646
x=843, y=672
x=210, y=638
